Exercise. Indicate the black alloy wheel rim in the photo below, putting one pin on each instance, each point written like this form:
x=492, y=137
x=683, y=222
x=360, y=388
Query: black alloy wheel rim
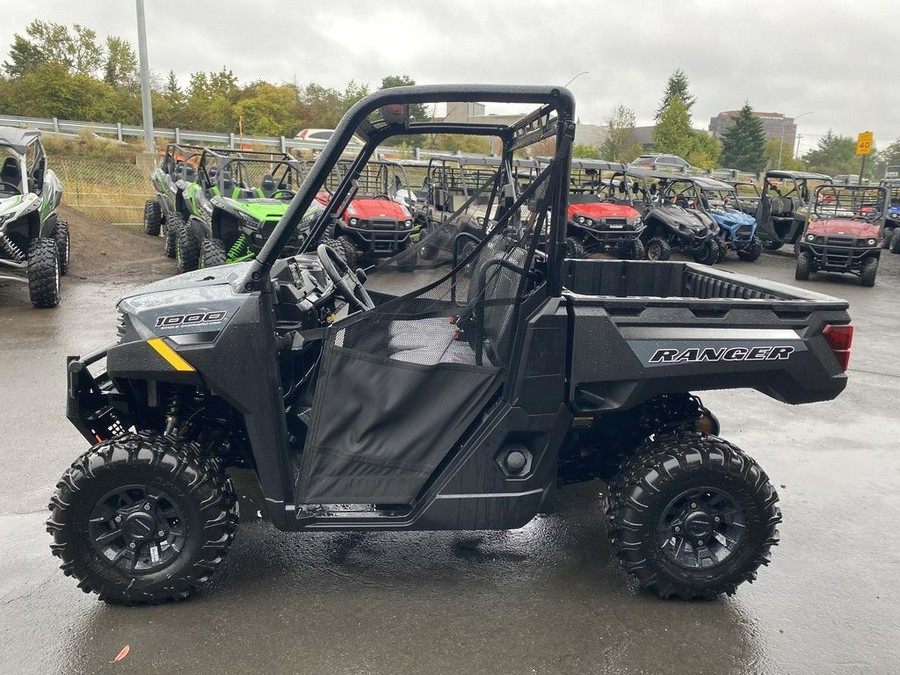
x=701, y=528
x=654, y=251
x=137, y=529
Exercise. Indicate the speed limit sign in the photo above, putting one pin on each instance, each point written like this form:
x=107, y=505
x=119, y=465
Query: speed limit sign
x=864, y=143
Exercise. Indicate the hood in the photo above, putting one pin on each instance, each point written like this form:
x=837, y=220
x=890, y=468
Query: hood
x=733, y=218
x=261, y=209
x=599, y=210
x=846, y=226
x=679, y=216
x=16, y=206
x=367, y=208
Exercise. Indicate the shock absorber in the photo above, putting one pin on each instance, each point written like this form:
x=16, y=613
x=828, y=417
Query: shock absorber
x=237, y=248
x=172, y=410
x=11, y=249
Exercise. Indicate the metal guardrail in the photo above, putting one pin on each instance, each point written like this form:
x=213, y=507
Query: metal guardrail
x=120, y=131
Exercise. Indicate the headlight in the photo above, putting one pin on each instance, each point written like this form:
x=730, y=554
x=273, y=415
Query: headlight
x=589, y=222
x=871, y=242
x=354, y=221
x=580, y=220
x=407, y=224
x=634, y=222
x=810, y=237
x=247, y=218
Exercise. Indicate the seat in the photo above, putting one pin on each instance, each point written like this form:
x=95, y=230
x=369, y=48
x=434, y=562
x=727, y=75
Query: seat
x=267, y=185
x=11, y=173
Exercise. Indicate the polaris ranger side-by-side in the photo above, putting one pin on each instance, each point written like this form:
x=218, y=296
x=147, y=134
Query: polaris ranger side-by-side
x=462, y=403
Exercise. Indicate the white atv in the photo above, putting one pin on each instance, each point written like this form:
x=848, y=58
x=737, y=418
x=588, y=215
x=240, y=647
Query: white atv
x=34, y=242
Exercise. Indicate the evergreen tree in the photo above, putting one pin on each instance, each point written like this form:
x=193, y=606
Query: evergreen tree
x=672, y=133
x=677, y=86
x=744, y=143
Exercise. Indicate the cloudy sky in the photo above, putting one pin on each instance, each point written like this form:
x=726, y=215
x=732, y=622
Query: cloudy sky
x=837, y=60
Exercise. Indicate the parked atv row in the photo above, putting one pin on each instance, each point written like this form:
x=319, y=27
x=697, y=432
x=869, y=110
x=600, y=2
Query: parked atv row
x=34, y=242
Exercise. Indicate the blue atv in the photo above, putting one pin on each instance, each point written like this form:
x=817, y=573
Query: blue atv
x=737, y=228
x=891, y=237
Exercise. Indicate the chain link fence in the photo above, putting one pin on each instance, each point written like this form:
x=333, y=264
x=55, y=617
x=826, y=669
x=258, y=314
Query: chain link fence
x=105, y=191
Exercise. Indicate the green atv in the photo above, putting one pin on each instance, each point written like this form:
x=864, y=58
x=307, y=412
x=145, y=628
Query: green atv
x=168, y=211
x=234, y=206
x=34, y=242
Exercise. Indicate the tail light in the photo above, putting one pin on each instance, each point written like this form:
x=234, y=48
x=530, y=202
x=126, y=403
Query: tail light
x=839, y=338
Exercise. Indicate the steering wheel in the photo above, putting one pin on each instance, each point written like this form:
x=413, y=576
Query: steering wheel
x=347, y=282
x=382, y=196
x=15, y=187
x=282, y=193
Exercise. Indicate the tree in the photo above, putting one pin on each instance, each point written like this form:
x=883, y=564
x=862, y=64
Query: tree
x=744, y=143
x=86, y=56
x=672, y=133
x=886, y=160
x=834, y=154
x=584, y=151
x=775, y=148
x=417, y=111
x=47, y=42
x=677, y=86
x=24, y=56
x=704, y=151
x=620, y=144
x=121, y=67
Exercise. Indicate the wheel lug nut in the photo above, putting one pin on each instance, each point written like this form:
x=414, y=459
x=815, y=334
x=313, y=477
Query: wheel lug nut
x=693, y=505
x=717, y=519
x=699, y=542
x=132, y=545
x=118, y=519
x=161, y=533
x=677, y=529
x=147, y=507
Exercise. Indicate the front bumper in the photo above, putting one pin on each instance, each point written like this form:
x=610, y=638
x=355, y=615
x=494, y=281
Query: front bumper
x=839, y=253
x=380, y=236
x=612, y=236
x=91, y=401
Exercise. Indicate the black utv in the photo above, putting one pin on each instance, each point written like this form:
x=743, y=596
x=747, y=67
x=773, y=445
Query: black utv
x=672, y=223
x=386, y=401
x=169, y=210
x=784, y=206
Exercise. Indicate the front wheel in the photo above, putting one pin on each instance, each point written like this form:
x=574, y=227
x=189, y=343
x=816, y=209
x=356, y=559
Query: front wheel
x=773, y=245
x=868, y=271
x=709, y=253
x=212, y=253
x=752, y=252
x=187, y=249
x=43, y=273
x=173, y=222
x=61, y=236
x=574, y=248
x=804, y=266
x=658, y=249
x=895, y=241
x=694, y=518
x=142, y=518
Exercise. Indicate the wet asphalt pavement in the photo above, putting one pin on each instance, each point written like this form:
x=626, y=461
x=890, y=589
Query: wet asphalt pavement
x=542, y=599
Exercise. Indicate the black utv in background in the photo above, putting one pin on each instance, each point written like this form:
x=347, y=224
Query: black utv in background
x=670, y=224
x=168, y=211
x=462, y=402
x=784, y=206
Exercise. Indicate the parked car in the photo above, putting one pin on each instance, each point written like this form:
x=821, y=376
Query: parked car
x=784, y=206
x=34, y=242
x=843, y=232
x=662, y=162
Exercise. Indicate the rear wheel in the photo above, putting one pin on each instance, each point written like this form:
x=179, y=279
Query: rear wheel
x=43, y=273
x=61, y=236
x=212, y=253
x=187, y=249
x=658, y=249
x=152, y=217
x=752, y=252
x=723, y=248
x=868, y=271
x=886, y=238
x=694, y=517
x=773, y=245
x=574, y=248
x=804, y=266
x=142, y=518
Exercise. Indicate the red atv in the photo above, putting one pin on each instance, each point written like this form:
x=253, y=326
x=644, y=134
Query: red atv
x=843, y=232
x=378, y=221
x=595, y=221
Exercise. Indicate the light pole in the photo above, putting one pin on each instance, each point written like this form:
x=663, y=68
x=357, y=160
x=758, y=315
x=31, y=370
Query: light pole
x=146, y=105
x=781, y=144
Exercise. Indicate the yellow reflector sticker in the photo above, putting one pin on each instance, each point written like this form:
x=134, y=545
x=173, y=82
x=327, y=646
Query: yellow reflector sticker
x=170, y=355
